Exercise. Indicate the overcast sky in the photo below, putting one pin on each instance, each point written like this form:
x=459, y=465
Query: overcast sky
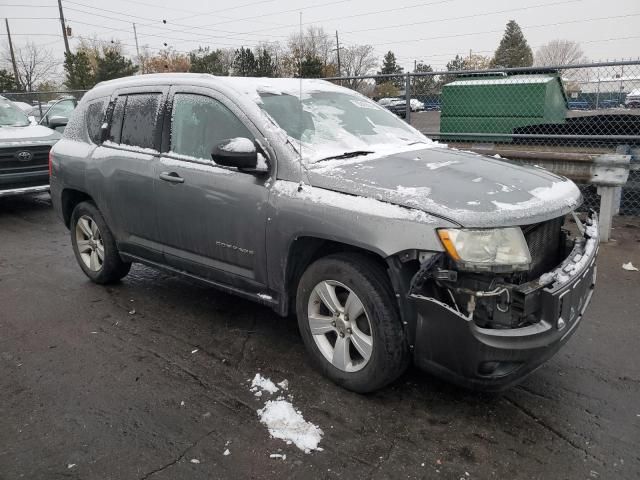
x=432, y=31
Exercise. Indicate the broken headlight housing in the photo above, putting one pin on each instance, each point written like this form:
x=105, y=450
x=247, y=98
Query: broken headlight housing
x=497, y=249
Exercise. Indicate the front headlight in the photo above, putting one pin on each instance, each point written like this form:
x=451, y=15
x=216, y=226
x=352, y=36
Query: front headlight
x=483, y=249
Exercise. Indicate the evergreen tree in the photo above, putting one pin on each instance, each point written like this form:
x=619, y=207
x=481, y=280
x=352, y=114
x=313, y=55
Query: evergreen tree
x=513, y=51
x=389, y=67
x=7, y=81
x=111, y=64
x=78, y=72
x=311, y=67
x=205, y=60
x=245, y=63
x=456, y=64
x=265, y=65
x=423, y=85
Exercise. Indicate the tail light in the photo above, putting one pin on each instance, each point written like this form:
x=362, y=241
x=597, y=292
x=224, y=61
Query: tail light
x=50, y=160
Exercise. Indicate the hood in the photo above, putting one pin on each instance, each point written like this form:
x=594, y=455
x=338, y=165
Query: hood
x=469, y=189
x=29, y=135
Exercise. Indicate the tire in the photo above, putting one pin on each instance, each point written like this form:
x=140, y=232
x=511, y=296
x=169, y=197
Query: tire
x=385, y=341
x=90, y=235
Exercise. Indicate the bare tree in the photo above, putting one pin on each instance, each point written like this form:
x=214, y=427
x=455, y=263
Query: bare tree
x=358, y=60
x=559, y=52
x=35, y=65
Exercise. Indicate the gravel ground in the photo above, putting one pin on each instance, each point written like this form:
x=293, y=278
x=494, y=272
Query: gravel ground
x=137, y=380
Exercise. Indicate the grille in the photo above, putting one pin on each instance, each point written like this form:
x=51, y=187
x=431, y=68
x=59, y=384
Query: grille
x=10, y=164
x=544, y=241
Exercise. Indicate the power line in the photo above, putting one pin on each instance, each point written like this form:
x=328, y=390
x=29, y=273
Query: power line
x=485, y=14
x=162, y=27
x=501, y=30
x=376, y=12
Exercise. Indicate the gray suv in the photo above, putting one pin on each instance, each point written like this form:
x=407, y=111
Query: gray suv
x=312, y=199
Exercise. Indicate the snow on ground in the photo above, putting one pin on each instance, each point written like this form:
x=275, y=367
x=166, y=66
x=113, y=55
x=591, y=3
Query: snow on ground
x=286, y=423
x=261, y=383
x=283, y=420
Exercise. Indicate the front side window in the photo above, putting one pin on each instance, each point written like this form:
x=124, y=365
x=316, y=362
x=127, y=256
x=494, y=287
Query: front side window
x=140, y=120
x=63, y=108
x=199, y=123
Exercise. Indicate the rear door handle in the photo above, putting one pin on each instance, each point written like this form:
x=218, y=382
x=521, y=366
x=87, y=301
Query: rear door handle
x=172, y=177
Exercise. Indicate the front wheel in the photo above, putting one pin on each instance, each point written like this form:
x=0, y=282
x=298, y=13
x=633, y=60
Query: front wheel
x=94, y=246
x=349, y=321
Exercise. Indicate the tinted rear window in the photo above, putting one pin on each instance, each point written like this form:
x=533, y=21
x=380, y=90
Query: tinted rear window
x=140, y=120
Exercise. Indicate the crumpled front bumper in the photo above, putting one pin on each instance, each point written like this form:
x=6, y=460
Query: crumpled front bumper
x=450, y=344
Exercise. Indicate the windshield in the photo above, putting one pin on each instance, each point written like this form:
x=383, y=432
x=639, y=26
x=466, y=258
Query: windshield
x=331, y=123
x=11, y=116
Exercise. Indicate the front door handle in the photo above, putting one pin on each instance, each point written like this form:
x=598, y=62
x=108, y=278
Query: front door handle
x=172, y=177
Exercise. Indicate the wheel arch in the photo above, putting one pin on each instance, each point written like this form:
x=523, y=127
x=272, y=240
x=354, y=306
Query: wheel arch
x=303, y=251
x=70, y=198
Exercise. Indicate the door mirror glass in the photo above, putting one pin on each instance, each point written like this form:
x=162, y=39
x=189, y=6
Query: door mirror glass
x=240, y=153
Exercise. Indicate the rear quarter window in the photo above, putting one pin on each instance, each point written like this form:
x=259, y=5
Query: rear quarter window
x=95, y=118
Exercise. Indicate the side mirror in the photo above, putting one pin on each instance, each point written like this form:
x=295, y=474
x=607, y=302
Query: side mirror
x=57, y=121
x=240, y=153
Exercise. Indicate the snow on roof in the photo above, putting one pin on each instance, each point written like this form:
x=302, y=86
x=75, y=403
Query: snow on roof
x=278, y=86
x=516, y=79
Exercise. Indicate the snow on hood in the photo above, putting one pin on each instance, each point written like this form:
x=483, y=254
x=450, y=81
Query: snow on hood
x=469, y=189
x=28, y=135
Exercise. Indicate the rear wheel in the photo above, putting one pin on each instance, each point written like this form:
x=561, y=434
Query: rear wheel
x=94, y=245
x=349, y=321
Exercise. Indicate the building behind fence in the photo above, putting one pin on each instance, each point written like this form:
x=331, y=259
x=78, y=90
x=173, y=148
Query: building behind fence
x=566, y=118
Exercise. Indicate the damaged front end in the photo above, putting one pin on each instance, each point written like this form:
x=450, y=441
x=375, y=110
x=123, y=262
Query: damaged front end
x=487, y=326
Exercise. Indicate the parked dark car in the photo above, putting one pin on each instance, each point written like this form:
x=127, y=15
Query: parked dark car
x=24, y=152
x=310, y=198
x=399, y=107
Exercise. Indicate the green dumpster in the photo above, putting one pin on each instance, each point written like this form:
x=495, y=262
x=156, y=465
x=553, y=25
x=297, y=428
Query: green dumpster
x=498, y=104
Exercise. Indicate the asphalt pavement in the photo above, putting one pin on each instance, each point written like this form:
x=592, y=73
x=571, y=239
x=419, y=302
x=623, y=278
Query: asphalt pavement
x=149, y=379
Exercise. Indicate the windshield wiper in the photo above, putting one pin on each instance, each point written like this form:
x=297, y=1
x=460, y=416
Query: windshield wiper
x=355, y=153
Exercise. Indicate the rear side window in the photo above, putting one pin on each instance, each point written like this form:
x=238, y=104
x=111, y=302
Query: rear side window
x=95, y=117
x=140, y=120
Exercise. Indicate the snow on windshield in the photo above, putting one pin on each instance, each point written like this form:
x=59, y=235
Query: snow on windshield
x=324, y=120
x=329, y=123
x=12, y=116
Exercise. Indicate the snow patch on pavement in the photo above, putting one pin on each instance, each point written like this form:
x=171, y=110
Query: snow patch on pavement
x=260, y=383
x=286, y=423
x=283, y=420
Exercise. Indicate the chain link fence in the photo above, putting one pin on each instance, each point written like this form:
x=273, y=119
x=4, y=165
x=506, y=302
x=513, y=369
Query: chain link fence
x=565, y=113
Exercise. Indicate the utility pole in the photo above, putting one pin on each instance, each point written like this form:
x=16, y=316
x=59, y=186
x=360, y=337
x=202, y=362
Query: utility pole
x=13, y=57
x=64, y=28
x=338, y=53
x=415, y=66
x=135, y=35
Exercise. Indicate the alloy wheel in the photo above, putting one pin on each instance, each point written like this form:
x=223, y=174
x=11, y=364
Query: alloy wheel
x=340, y=326
x=89, y=243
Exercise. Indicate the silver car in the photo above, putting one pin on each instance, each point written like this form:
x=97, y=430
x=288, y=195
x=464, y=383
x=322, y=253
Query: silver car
x=312, y=199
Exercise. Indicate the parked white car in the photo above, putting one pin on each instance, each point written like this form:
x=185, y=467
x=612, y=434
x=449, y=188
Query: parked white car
x=416, y=105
